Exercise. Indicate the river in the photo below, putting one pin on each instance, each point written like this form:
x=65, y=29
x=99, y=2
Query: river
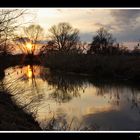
x=59, y=101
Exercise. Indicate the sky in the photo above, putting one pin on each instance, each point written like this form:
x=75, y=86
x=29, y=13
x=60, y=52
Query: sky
x=124, y=24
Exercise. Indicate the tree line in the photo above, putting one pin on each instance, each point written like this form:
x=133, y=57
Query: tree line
x=62, y=38
x=103, y=57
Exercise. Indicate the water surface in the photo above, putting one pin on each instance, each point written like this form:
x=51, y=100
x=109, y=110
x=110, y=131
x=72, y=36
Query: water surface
x=61, y=101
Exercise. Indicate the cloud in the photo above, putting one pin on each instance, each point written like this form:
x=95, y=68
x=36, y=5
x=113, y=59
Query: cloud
x=124, y=24
x=106, y=26
x=125, y=16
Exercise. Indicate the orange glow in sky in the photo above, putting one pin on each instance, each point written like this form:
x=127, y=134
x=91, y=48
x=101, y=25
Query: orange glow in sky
x=29, y=46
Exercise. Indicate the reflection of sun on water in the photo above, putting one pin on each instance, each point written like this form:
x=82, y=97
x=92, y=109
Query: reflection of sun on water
x=29, y=72
x=87, y=108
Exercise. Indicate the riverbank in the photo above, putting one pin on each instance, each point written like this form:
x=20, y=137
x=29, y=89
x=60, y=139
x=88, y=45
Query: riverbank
x=13, y=118
x=109, y=67
x=121, y=67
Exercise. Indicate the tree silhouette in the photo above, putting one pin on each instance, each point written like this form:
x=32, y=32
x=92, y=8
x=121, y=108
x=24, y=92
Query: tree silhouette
x=63, y=37
x=136, y=50
x=8, y=24
x=34, y=33
x=102, y=42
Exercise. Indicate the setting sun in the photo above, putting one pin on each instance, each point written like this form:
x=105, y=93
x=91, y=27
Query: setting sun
x=29, y=46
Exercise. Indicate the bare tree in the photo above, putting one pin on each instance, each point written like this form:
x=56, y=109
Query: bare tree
x=136, y=50
x=34, y=33
x=8, y=24
x=21, y=43
x=63, y=37
x=83, y=47
x=102, y=42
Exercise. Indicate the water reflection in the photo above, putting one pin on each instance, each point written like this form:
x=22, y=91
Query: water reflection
x=71, y=102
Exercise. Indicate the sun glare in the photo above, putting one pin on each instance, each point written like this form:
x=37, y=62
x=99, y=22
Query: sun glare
x=29, y=46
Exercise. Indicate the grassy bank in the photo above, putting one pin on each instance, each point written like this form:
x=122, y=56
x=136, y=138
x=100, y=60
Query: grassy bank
x=116, y=67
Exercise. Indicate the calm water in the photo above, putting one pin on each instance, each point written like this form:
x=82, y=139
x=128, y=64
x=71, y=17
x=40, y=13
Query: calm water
x=71, y=102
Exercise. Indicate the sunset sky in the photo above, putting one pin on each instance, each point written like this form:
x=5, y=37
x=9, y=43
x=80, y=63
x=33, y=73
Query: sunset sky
x=124, y=24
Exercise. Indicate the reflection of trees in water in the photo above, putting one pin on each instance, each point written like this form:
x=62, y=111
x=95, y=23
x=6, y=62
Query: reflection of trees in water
x=65, y=86
x=61, y=123
x=25, y=96
x=31, y=96
x=113, y=92
x=58, y=123
x=116, y=91
x=135, y=99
